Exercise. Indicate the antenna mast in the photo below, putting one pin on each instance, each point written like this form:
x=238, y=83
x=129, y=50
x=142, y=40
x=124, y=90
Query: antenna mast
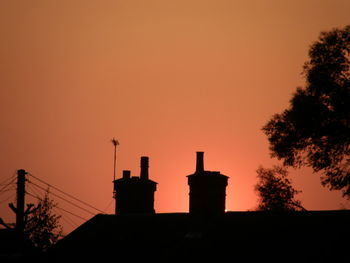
x=115, y=143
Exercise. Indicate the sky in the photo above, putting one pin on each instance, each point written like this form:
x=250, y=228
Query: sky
x=166, y=79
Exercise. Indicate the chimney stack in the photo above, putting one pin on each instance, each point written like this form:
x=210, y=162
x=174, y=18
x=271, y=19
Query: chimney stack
x=126, y=174
x=200, y=162
x=144, y=168
x=135, y=194
x=207, y=190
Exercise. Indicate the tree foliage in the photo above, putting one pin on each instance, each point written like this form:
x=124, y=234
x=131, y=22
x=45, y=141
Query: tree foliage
x=42, y=226
x=315, y=130
x=275, y=190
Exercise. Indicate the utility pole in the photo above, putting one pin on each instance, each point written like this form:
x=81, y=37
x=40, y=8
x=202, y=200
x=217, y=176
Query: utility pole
x=19, y=209
x=20, y=200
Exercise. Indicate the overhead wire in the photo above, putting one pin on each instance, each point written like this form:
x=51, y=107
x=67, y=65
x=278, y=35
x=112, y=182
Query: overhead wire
x=9, y=189
x=109, y=204
x=8, y=178
x=71, y=222
x=64, y=199
x=65, y=215
x=55, y=208
x=60, y=208
x=65, y=218
x=8, y=184
x=73, y=214
x=8, y=198
x=37, y=195
x=69, y=195
x=33, y=190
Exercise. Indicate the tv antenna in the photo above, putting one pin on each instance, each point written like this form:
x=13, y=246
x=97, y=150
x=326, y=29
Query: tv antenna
x=115, y=143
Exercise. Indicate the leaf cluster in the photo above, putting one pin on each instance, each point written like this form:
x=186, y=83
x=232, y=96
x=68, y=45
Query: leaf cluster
x=275, y=190
x=315, y=130
x=42, y=226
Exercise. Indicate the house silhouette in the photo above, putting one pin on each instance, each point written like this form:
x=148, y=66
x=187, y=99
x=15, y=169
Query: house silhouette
x=206, y=233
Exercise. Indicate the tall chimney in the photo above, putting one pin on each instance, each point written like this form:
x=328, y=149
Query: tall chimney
x=200, y=162
x=144, y=168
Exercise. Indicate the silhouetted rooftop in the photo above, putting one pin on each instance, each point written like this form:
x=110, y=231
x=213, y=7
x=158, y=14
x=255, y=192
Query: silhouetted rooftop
x=307, y=236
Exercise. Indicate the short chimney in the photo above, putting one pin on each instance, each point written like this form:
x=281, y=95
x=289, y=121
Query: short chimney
x=126, y=174
x=200, y=162
x=144, y=168
x=207, y=190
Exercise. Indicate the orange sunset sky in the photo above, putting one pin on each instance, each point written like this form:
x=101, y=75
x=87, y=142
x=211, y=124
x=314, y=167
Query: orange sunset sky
x=165, y=78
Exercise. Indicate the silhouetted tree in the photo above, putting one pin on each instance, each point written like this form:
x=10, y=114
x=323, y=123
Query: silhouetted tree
x=315, y=130
x=275, y=190
x=42, y=226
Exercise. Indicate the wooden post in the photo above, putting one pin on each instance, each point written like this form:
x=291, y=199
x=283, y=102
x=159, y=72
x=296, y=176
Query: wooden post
x=20, y=200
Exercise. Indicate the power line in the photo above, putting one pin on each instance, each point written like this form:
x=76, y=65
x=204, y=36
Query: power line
x=60, y=208
x=9, y=189
x=59, y=190
x=7, y=198
x=71, y=213
x=65, y=218
x=69, y=220
x=109, y=204
x=8, y=178
x=38, y=196
x=63, y=199
x=11, y=182
x=66, y=193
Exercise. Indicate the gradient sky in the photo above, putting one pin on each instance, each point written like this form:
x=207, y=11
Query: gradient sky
x=166, y=78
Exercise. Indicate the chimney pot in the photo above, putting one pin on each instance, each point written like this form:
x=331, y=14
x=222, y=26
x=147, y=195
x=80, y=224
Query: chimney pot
x=200, y=162
x=144, y=168
x=126, y=174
